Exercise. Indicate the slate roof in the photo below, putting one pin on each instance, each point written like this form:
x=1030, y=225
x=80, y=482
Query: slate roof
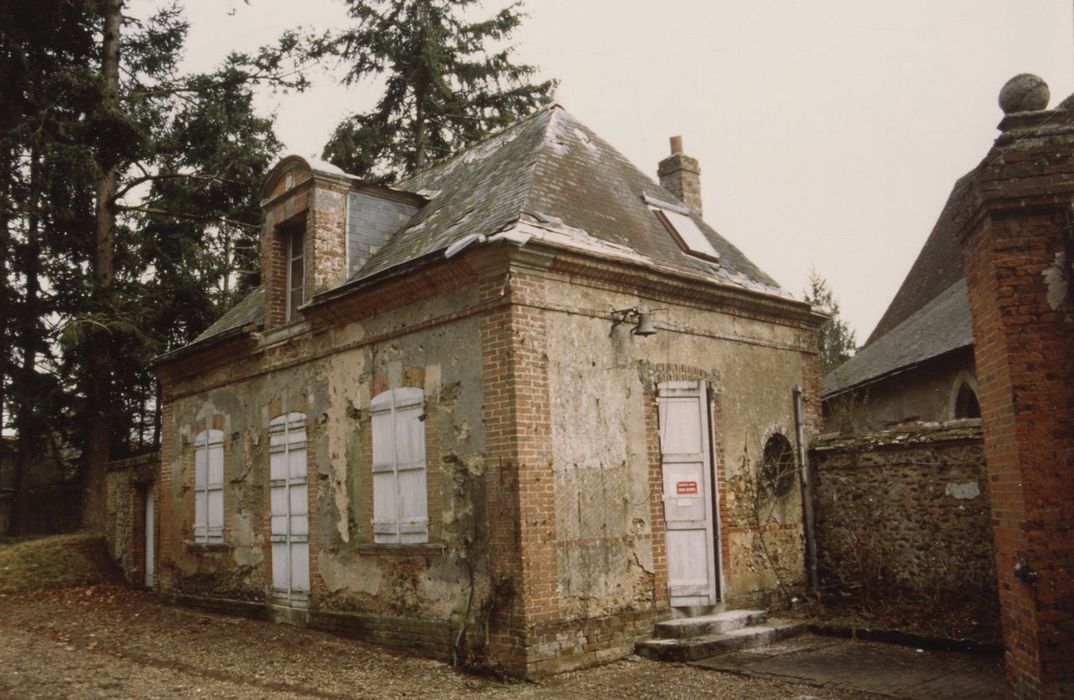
x=548, y=177
x=250, y=310
x=552, y=171
x=938, y=266
x=929, y=315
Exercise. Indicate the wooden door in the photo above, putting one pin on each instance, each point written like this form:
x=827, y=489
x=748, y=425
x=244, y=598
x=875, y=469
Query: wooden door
x=289, y=498
x=688, y=489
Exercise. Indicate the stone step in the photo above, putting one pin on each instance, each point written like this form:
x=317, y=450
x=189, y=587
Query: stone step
x=719, y=623
x=693, y=648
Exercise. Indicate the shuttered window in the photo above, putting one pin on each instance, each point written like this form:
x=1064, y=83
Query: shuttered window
x=400, y=513
x=289, y=501
x=209, y=486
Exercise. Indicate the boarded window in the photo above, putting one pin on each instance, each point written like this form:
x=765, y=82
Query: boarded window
x=400, y=513
x=209, y=486
x=296, y=272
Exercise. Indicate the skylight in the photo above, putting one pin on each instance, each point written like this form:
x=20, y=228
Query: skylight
x=687, y=234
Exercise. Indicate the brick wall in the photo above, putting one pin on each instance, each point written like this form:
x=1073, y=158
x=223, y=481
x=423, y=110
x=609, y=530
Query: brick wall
x=902, y=522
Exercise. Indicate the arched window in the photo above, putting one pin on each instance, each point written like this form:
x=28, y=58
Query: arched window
x=966, y=405
x=400, y=509
x=777, y=467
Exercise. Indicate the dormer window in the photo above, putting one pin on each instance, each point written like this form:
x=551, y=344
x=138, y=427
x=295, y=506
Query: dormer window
x=296, y=272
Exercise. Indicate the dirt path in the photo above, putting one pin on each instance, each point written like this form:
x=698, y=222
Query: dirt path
x=107, y=641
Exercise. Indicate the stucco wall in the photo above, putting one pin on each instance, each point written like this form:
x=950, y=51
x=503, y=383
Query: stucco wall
x=333, y=388
x=902, y=516
x=602, y=381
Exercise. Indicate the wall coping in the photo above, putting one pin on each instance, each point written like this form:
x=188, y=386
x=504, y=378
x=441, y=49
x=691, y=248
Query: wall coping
x=131, y=463
x=920, y=432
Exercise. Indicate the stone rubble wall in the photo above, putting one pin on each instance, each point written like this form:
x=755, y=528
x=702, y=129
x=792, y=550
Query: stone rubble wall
x=905, y=511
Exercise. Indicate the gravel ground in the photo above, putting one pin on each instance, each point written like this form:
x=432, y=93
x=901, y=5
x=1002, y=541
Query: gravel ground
x=110, y=642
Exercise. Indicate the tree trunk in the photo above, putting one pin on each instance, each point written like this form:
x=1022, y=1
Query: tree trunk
x=98, y=394
x=26, y=420
x=5, y=350
x=419, y=126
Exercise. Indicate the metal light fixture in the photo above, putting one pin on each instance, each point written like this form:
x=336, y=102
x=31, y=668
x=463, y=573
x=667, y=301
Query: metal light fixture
x=640, y=316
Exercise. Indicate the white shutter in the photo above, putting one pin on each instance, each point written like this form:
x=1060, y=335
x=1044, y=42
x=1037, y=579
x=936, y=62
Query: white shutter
x=209, y=486
x=201, y=478
x=289, y=514
x=400, y=512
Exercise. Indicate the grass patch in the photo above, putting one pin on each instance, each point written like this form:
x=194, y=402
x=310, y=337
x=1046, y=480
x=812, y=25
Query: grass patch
x=56, y=561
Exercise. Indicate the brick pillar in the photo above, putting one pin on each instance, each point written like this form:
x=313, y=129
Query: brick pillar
x=1013, y=223
x=520, y=487
x=681, y=176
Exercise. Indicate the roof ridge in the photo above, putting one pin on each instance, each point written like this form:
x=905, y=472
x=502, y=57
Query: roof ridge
x=488, y=137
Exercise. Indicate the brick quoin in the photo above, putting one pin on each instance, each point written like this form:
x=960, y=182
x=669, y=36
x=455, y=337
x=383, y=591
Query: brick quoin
x=1015, y=221
x=519, y=482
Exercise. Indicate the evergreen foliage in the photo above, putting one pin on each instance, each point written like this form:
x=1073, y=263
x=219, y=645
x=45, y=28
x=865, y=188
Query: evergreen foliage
x=836, y=337
x=128, y=213
x=448, y=82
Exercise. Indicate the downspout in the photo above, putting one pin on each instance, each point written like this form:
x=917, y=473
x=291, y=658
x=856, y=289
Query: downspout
x=807, y=495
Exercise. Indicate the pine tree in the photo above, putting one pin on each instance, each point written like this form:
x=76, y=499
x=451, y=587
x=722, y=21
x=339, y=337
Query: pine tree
x=836, y=338
x=126, y=180
x=445, y=88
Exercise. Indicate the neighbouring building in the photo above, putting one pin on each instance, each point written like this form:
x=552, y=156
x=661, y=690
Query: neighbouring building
x=49, y=489
x=917, y=364
x=519, y=406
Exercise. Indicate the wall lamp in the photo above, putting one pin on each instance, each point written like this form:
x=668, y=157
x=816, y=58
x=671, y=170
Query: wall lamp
x=640, y=316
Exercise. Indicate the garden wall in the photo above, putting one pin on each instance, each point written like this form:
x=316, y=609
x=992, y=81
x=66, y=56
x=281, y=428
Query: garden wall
x=903, y=525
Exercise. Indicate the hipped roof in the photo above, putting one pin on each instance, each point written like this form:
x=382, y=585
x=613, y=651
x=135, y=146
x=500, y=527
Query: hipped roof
x=553, y=176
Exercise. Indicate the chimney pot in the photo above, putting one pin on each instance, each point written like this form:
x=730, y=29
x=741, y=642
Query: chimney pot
x=676, y=144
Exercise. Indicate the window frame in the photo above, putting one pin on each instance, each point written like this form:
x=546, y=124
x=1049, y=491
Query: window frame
x=291, y=234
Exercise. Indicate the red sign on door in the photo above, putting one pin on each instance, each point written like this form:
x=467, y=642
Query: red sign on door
x=685, y=487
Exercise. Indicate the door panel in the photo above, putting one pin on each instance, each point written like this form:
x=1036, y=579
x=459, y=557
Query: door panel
x=688, y=489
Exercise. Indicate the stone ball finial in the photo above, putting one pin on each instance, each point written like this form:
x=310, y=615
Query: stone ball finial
x=1024, y=92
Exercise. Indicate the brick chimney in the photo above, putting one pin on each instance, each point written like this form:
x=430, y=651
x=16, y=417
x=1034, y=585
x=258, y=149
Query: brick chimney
x=681, y=176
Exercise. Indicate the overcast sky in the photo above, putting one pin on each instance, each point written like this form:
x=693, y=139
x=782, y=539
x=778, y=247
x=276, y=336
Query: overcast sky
x=830, y=132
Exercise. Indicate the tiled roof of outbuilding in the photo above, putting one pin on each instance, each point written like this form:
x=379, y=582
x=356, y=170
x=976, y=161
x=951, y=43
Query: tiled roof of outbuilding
x=940, y=326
